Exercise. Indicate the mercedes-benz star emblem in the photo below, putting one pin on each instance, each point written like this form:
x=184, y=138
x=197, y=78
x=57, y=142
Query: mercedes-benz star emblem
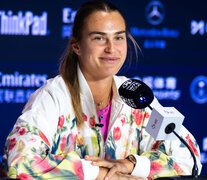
x=155, y=12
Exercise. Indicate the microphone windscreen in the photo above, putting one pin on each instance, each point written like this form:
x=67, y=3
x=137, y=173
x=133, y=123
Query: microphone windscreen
x=136, y=94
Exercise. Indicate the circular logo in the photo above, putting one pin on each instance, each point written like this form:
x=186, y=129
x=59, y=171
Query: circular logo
x=198, y=89
x=155, y=12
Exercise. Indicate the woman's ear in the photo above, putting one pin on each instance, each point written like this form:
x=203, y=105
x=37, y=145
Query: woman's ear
x=75, y=46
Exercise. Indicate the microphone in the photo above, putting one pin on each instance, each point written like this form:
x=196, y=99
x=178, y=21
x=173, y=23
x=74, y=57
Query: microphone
x=163, y=121
x=136, y=94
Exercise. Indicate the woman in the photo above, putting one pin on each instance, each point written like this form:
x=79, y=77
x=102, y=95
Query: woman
x=60, y=133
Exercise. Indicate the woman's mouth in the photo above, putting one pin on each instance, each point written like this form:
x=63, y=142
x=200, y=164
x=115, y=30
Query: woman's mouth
x=109, y=59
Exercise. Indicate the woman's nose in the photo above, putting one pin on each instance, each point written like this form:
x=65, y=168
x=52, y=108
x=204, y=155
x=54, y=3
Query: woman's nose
x=109, y=47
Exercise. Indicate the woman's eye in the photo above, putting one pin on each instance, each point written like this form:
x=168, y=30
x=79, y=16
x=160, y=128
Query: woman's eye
x=119, y=38
x=99, y=38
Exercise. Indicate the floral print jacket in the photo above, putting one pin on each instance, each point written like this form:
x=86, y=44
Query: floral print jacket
x=45, y=141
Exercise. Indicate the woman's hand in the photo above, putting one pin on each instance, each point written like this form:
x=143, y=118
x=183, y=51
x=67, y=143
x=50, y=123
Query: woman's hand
x=111, y=168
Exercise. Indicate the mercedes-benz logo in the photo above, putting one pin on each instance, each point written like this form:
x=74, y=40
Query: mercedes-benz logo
x=155, y=12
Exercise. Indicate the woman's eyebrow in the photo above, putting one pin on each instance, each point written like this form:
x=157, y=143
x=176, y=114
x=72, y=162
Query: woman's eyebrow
x=120, y=32
x=104, y=34
x=97, y=32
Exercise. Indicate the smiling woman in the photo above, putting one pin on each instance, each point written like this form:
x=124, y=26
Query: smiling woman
x=102, y=48
x=76, y=126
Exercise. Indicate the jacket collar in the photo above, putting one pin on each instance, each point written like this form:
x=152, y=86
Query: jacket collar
x=84, y=87
x=86, y=92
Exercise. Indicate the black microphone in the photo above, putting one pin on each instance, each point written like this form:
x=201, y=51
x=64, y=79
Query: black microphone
x=138, y=95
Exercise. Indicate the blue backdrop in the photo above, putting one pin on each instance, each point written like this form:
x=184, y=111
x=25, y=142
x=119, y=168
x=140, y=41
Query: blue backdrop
x=172, y=60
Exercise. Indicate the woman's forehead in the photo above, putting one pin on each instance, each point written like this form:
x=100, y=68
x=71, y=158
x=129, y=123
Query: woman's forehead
x=105, y=22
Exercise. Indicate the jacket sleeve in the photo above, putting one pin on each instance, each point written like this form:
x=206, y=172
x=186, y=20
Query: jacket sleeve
x=170, y=157
x=29, y=147
x=29, y=156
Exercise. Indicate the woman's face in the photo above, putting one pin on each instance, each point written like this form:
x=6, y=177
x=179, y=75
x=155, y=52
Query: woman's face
x=103, y=47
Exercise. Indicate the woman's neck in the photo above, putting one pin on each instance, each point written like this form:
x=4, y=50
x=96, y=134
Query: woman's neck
x=101, y=91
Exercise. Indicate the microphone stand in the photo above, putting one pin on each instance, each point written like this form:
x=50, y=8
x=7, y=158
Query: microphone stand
x=144, y=97
x=170, y=129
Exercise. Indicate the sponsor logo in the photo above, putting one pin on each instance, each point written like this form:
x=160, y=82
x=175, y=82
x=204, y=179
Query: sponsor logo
x=68, y=16
x=155, y=12
x=164, y=88
x=198, y=89
x=155, y=38
x=153, y=126
x=22, y=80
x=204, y=154
x=17, y=88
x=198, y=27
x=23, y=23
x=205, y=144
